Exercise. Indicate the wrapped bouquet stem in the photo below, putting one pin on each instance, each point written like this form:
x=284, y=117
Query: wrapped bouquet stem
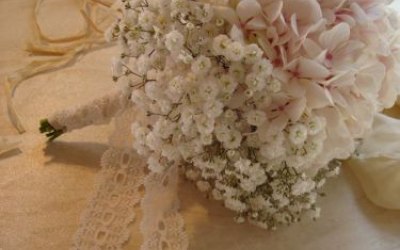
x=253, y=101
x=98, y=111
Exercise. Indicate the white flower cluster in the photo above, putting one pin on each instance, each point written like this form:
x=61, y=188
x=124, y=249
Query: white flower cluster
x=256, y=99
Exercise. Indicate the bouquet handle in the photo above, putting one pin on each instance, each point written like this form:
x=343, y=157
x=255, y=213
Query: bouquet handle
x=95, y=112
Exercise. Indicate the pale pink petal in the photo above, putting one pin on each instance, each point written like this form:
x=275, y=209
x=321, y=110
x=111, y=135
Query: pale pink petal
x=359, y=14
x=236, y=34
x=293, y=24
x=338, y=98
x=273, y=10
x=311, y=48
x=332, y=38
x=266, y=46
x=312, y=69
x=308, y=11
x=390, y=87
x=348, y=19
x=295, y=109
x=295, y=87
x=348, y=49
x=277, y=125
x=281, y=75
x=370, y=79
x=343, y=79
x=256, y=23
x=339, y=143
x=247, y=9
x=321, y=58
x=315, y=27
x=317, y=96
x=227, y=14
x=363, y=115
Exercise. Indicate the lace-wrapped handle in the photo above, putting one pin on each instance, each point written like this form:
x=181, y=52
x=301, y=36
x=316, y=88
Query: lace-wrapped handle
x=98, y=111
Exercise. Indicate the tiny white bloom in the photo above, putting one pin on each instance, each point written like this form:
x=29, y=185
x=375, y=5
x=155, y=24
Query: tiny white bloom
x=201, y=65
x=235, y=205
x=146, y=19
x=274, y=85
x=174, y=41
x=263, y=67
x=315, y=125
x=209, y=90
x=234, y=52
x=233, y=140
x=298, y=134
x=302, y=186
x=154, y=164
x=252, y=53
x=220, y=44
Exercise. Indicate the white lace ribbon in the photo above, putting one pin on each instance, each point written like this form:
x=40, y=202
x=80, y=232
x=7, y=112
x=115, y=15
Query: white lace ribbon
x=162, y=226
x=105, y=223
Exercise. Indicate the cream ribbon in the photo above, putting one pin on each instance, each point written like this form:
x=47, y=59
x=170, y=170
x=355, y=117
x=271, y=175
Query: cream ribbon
x=8, y=143
x=377, y=165
x=62, y=50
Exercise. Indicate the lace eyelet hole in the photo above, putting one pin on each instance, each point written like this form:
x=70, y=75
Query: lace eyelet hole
x=165, y=181
x=164, y=245
x=161, y=225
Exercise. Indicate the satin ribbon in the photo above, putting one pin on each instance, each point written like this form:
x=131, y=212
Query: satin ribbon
x=62, y=50
x=377, y=163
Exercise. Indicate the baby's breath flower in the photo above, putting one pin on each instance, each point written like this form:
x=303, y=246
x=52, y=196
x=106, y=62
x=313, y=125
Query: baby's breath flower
x=201, y=65
x=234, y=51
x=221, y=44
x=154, y=164
x=255, y=82
x=298, y=133
x=263, y=67
x=274, y=85
x=235, y=205
x=174, y=41
x=252, y=54
x=315, y=125
x=146, y=19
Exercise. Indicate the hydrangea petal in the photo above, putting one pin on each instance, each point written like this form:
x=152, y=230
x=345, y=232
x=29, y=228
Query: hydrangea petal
x=247, y=9
x=312, y=69
x=332, y=38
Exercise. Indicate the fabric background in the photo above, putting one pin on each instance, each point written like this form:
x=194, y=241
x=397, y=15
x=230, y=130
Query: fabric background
x=44, y=188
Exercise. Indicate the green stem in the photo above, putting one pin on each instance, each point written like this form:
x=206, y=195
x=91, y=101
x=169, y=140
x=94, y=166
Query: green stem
x=49, y=130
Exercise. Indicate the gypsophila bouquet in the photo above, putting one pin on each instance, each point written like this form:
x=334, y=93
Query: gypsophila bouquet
x=256, y=100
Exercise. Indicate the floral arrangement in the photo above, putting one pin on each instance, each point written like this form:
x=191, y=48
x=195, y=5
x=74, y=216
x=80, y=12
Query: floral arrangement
x=255, y=100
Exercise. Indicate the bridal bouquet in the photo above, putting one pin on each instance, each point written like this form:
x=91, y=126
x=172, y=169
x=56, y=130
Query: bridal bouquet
x=254, y=100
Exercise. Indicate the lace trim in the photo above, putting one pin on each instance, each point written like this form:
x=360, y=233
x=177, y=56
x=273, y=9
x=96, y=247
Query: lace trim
x=104, y=224
x=162, y=226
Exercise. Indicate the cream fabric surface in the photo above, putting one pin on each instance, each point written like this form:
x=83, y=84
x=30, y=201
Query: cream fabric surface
x=44, y=189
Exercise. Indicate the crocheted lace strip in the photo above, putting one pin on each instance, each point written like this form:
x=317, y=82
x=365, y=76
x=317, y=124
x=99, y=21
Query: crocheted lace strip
x=105, y=222
x=162, y=226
